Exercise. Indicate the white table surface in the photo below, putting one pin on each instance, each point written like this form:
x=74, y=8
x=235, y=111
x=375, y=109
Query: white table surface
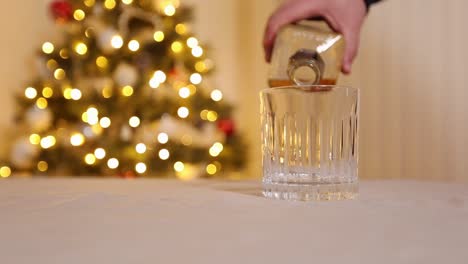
x=153, y=221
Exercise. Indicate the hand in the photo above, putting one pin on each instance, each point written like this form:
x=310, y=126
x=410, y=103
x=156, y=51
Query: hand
x=344, y=16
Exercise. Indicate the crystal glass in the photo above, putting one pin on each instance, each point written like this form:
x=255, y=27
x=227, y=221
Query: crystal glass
x=310, y=142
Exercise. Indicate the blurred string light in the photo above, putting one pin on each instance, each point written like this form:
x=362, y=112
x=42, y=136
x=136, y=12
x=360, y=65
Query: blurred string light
x=90, y=159
x=212, y=116
x=157, y=78
x=81, y=48
x=133, y=45
x=200, y=66
x=48, y=142
x=117, y=42
x=105, y=122
x=41, y=103
x=179, y=166
x=47, y=47
x=127, y=2
x=30, y=92
x=77, y=139
x=177, y=46
x=140, y=167
x=89, y=3
x=47, y=92
x=216, y=95
x=110, y=4
x=140, y=148
x=127, y=91
x=35, y=139
x=75, y=94
x=52, y=64
x=113, y=163
x=67, y=93
x=97, y=129
x=163, y=138
x=183, y=112
x=100, y=153
x=107, y=92
x=192, y=88
x=64, y=53
x=169, y=10
x=164, y=154
x=158, y=36
x=59, y=74
x=181, y=29
x=192, y=42
x=102, y=62
x=197, y=52
x=184, y=92
x=211, y=169
x=79, y=15
x=196, y=78
x=216, y=149
x=5, y=172
x=42, y=166
x=134, y=121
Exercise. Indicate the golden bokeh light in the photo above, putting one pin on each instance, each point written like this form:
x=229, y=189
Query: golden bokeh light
x=216, y=95
x=177, y=47
x=169, y=10
x=181, y=29
x=158, y=36
x=79, y=15
x=90, y=159
x=140, y=167
x=184, y=92
x=100, y=153
x=35, y=139
x=52, y=64
x=81, y=48
x=212, y=116
x=211, y=169
x=192, y=42
x=107, y=92
x=77, y=139
x=59, y=74
x=127, y=91
x=113, y=163
x=134, y=121
x=47, y=92
x=5, y=172
x=164, y=154
x=163, y=138
x=140, y=148
x=30, y=92
x=127, y=2
x=41, y=103
x=42, y=166
x=67, y=93
x=183, y=112
x=48, y=142
x=116, y=42
x=196, y=78
x=179, y=166
x=133, y=45
x=75, y=94
x=105, y=122
x=48, y=48
x=110, y=4
x=197, y=52
x=64, y=54
x=102, y=62
x=89, y=3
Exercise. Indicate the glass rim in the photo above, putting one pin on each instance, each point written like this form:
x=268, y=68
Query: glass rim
x=305, y=88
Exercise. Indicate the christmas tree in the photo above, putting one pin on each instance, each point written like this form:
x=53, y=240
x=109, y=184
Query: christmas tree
x=125, y=92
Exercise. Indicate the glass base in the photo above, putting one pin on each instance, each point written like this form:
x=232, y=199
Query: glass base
x=311, y=192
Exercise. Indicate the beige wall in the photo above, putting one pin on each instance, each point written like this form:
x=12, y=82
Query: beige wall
x=411, y=71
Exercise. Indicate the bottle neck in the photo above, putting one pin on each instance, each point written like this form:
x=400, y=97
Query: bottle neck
x=306, y=67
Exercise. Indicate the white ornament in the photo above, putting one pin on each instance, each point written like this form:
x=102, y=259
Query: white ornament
x=104, y=40
x=23, y=153
x=38, y=119
x=125, y=74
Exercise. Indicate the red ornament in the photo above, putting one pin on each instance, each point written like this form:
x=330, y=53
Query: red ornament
x=227, y=126
x=61, y=10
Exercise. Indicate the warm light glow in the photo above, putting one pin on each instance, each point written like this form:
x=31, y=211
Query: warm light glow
x=211, y=169
x=92, y=111
x=52, y=64
x=105, y=122
x=109, y=4
x=186, y=140
x=93, y=119
x=140, y=168
x=75, y=94
x=47, y=92
x=127, y=2
x=41, y=103
x=133, y=45
x=48, y=48
x=184, y=92
x=79, y=14
x=30, y=92
x=77, y=139
x=181, y=29
x=163, y=138
x=164, y=154
x=107, y=92
x=140, y=148
x=81, y=48
x=169, y=10
x=67, y=93
x=134, y=121
x=192, y=88
x=204, y=114
x=197, y=52
x=89, y=3
x=35, y=139
x=97, y=129
x=59, y=74
x=192, y=42
x=90, y=159
x=216, y=149
x=158, y=36
x=159, y=76
x=127, y=90
x=196, y=78
x=153, y=83
x=183, y=112
x=200, y=66
x=113, y=163
x=179, y=166
x=100, y=153
x=176, y=47
x=102, y=62
x=216, y=95
x=42, y=166
x=89, y=32
x=5, y=172
x=64, y=54
x=117, y=42
x=212, y=116
x=48, y=142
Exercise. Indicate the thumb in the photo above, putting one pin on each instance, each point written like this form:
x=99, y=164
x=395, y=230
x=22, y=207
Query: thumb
x=351, y=50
